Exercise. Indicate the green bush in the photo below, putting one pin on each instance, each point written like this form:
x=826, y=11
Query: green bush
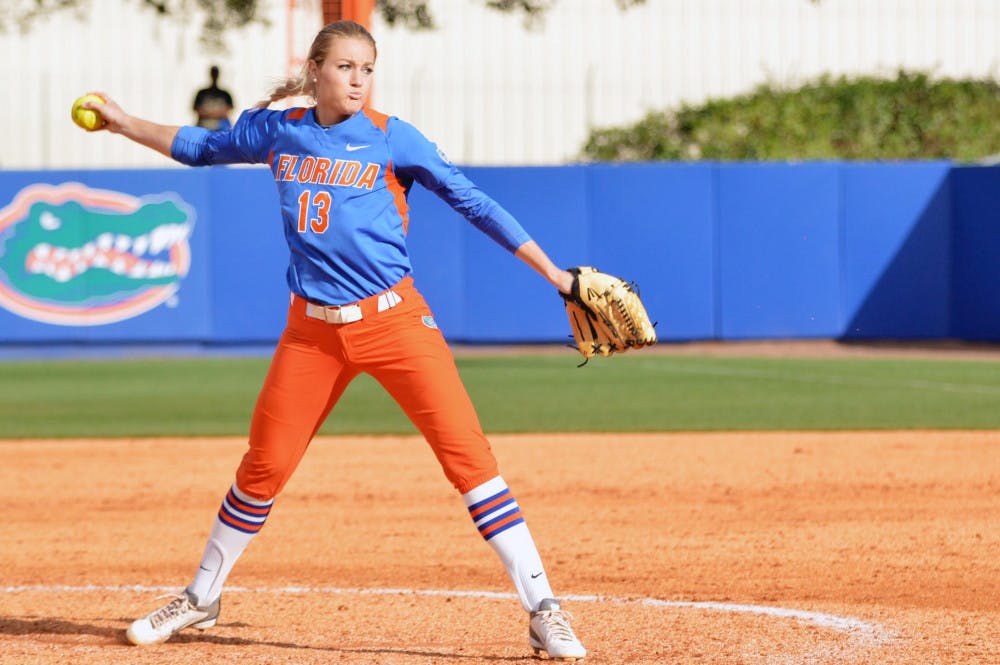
x=865, y=118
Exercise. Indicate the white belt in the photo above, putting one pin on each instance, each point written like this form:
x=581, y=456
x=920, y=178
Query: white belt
x=350, y=313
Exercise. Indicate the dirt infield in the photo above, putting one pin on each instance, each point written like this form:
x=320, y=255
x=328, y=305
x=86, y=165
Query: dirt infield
x=670, y=548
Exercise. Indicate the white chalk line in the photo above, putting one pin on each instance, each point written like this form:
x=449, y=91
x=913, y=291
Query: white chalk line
x=867, y=632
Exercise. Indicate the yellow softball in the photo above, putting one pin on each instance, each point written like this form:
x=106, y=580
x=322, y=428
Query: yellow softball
x=89, y=119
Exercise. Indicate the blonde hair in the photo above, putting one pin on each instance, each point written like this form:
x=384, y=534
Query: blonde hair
x=303, y=85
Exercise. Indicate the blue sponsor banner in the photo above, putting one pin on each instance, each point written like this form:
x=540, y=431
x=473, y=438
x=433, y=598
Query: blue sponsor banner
x=975, y=304
x=778, y=250
x=249, y=255
x=897, y=267
x=103, y=256
x=720, y=251
x=434, y=242
x=656, y=225
x=504, y=300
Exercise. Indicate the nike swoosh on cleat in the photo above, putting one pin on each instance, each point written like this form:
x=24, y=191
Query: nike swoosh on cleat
x=352, y=148
x=537, y=575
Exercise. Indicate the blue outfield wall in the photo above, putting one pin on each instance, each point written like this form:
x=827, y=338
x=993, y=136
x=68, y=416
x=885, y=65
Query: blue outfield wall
x=720, y=251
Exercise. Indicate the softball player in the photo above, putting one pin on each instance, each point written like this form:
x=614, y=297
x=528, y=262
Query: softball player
x=343, y=174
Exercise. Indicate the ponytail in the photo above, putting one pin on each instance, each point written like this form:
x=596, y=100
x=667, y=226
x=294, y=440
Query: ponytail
x=293, y=86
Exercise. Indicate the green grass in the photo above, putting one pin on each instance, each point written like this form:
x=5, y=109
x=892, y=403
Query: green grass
x=545, y=393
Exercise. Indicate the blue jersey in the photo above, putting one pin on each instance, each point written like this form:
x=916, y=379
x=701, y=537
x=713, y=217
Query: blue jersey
x=343, y=191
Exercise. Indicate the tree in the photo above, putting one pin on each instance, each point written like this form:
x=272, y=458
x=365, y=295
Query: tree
x=221, y=16
x=911, y=116
x=416, y=15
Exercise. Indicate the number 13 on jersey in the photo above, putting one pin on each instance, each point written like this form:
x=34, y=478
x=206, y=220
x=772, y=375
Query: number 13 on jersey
x=310, y=202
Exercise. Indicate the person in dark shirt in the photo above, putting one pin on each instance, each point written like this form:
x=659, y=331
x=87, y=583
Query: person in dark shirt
x=213, y=104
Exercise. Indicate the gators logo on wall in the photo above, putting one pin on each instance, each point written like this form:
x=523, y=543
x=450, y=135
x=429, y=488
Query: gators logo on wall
x=76, y=256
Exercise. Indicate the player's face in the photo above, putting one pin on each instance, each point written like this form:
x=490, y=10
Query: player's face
x=344, y=79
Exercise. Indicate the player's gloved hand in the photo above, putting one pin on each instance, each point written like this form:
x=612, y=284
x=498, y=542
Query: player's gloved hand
x=606, y=315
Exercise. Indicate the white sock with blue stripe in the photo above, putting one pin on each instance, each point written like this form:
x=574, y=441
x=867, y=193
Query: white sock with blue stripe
x=240, y=518
x=498, y=518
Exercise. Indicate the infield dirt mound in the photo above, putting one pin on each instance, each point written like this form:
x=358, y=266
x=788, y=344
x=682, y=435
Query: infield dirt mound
x=370, y=557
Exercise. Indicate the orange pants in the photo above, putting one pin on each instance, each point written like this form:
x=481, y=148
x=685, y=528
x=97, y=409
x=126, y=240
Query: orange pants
x=315, y=361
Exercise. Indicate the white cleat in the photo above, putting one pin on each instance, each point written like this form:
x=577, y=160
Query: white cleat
x=549, y=633
x=180, y=613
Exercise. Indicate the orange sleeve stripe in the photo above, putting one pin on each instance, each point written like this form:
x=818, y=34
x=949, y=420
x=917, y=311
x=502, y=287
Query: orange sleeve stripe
x=398, y=195
x=297, y=113
x=380, y=120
